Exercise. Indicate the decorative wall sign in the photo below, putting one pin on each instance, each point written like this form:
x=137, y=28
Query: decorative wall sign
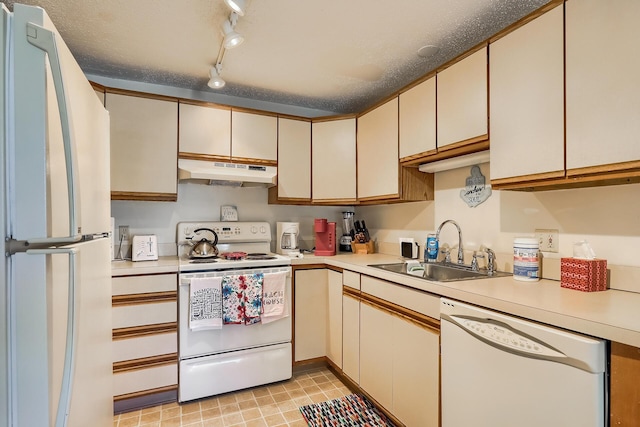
x=476, y=190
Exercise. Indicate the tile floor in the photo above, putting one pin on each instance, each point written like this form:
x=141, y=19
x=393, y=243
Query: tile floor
x=266, y=406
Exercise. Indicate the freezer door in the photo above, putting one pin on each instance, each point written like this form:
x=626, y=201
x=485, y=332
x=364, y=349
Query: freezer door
x=55, y=105
x=40, y=336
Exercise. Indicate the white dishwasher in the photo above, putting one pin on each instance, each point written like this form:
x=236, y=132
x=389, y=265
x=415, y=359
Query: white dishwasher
x=499, y=370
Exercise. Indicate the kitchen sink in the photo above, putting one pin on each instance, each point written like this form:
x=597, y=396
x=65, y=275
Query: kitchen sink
x=438, y=272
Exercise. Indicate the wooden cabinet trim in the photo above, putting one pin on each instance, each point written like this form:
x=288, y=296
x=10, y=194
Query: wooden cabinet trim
x=545, y=182
x=419, y=319
x=143, y=393
x=205, y=157
x=144, y=330
x=145, y=363
x=204, y=104
x=144, y=274
x=334, y=202
x=351, y=292
x=254, y=161
x=153, y=197
x=146, y=298
x=625, y=388
x=447, y=152
x=137, y=94
x=631, y=168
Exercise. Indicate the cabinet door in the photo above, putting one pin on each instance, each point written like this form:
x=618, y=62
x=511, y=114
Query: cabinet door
x=333, y=161
x=462, y=101
x=334, y=325
x=527, y=99
x=205, y=130
x=294, y=159
x=603, y=95
x=417, y=112
x=254, y=136
x=378, y=152
x=416, y=374
x=310, y=315
x=376, y=355
x=351, y=338
x=144, y=145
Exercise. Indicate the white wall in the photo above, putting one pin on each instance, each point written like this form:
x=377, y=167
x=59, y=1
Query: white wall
x=197, y=202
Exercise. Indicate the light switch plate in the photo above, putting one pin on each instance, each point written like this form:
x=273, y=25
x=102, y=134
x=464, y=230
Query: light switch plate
x=228, y=213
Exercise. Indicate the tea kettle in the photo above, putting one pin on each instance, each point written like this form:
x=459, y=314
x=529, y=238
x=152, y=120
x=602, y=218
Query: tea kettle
x=204, y=248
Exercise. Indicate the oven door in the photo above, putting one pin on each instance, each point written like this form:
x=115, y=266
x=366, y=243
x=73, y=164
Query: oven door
x=230, y=337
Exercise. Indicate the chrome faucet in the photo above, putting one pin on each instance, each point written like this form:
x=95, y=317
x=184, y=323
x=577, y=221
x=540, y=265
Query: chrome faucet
x=491, y=260
x=460, y=251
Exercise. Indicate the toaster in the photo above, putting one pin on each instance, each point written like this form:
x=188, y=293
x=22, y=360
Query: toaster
x=144, y=248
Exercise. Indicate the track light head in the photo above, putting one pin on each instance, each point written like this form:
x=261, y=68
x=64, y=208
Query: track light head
x=215, y=81
x=238, y=6
x=231, y=37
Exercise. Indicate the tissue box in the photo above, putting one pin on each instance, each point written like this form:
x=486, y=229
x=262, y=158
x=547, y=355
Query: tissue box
x=588, y=275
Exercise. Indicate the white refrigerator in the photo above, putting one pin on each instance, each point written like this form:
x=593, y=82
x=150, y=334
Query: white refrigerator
x=56, y=364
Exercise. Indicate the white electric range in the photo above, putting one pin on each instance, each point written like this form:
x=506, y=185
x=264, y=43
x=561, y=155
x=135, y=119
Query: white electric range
x=259, y=353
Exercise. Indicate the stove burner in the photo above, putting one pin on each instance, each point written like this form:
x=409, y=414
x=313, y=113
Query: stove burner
x=260, y=256
x=203, y=260
x=234, y=256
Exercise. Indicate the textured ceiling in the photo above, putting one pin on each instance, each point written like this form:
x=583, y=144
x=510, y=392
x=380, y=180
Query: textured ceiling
x=331, y=55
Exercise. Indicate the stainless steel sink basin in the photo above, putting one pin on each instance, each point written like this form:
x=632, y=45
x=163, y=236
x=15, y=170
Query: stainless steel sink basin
x=438, y=272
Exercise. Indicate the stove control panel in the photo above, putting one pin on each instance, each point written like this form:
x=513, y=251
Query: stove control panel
x=228, y=232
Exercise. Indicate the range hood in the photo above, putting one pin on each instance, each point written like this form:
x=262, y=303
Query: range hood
x=229, y=174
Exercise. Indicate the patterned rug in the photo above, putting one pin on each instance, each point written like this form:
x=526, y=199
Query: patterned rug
x=352, y=410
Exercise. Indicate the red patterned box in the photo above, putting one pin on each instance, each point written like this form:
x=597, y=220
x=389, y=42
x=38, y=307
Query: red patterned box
x=589, y=275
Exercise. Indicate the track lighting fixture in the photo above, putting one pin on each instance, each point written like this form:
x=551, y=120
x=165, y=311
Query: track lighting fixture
x=238, y=6
x=215, y=81
x=231, y=37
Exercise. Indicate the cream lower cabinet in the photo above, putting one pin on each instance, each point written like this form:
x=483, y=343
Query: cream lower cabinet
x=400, y=351
x=310, y=314
x=145, y=340
x=144, y=147
x=351, y=337
x=334, y=311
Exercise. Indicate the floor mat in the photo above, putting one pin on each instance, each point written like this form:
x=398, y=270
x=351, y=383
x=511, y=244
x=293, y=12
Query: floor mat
x=352, y=410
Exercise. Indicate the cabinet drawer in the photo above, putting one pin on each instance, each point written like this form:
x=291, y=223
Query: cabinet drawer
x=125, y=285
x=144, y=314
x=144, y=346
x=421, y=302
x=351, y=279
x=145, y=379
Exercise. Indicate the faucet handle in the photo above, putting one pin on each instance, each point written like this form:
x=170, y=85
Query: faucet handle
x=491, y=258
x=446, y=252
x=474, y=261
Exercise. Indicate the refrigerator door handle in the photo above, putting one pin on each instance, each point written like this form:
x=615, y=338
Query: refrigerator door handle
x=64, y=402
x=45, y=40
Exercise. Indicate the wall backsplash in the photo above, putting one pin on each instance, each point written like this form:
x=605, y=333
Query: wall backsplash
x=607, y=217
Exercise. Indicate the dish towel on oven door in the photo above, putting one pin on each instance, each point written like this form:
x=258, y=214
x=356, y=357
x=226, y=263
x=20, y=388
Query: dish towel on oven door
x=205, y=303
x=242, y=299
x=274, y=305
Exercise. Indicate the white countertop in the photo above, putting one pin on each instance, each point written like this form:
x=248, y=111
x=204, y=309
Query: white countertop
x=612, y=314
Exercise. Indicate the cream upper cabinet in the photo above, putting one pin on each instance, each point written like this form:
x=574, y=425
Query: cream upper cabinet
x=333, y=155
x=603, y=94
x=144, y=147
x=100, y=95
x=417, y=117
x=334, y=325
x=205, y=130
x=462, y=100
x=527, y=99
x=294, y=159
x=254, y=136
x=378, y=174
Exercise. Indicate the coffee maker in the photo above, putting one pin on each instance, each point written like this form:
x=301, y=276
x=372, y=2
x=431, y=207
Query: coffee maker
x=325, y=237
x=287, y=238
x=348, y=231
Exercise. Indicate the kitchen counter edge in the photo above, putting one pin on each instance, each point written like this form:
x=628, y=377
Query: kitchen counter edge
x=168, y=264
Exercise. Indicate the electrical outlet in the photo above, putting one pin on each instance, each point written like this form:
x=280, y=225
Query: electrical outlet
x=123, y=232
x=548, y=239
